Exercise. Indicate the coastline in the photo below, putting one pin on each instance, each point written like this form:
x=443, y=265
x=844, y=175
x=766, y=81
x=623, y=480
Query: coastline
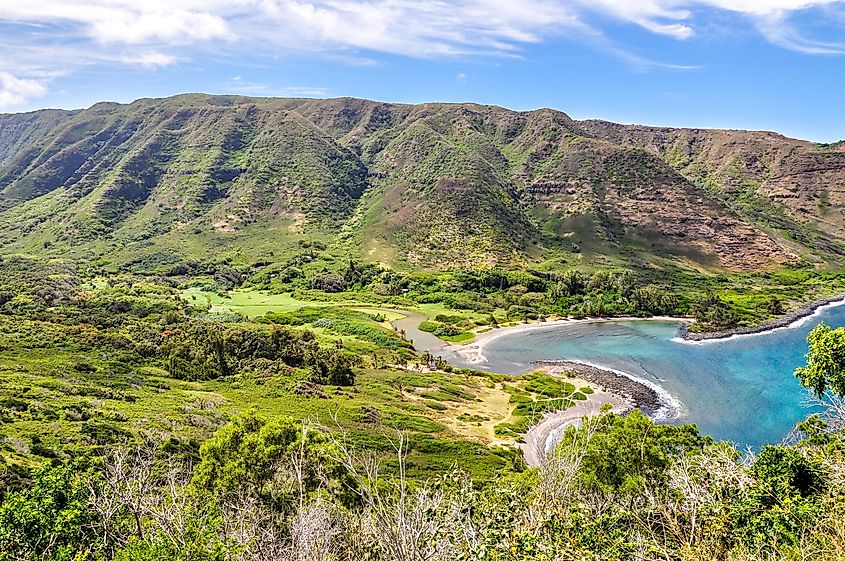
x=641, y=394
x=473, y=352
x=789, y=320
x=621, y=391
x=542, y=437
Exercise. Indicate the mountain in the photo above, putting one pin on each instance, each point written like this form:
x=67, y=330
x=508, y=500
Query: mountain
x=426, y=186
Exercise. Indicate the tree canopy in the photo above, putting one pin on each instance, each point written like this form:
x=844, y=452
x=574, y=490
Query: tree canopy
x=825, y=368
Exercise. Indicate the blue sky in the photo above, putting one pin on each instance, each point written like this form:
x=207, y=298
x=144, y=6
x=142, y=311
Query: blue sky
x=755, y=64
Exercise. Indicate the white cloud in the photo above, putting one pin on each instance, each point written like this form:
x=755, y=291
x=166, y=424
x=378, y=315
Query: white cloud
x=150, y=59
x=50, y=35
x=407, y=27
x=661, y=17
x=128, y=21
x=238, y=85
x=174, y=27
x=766, y=7
x=420, y=28
x=17, y=91
x=770, y=17
x=778, y=30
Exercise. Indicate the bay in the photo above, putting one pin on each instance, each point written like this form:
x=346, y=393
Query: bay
x=740, y=389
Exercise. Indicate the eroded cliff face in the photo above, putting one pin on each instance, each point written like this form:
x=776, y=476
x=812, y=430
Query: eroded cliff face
x=427, y=186
x=759, y=174
x=634, y=195
x=812, y=186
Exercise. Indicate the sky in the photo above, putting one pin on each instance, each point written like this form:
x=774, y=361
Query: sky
x=742, y=64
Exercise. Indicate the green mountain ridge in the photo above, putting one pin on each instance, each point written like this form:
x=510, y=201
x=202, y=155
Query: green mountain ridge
x=427, y=186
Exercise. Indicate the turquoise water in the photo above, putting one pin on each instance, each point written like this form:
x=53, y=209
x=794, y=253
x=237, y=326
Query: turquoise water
x=740, y=389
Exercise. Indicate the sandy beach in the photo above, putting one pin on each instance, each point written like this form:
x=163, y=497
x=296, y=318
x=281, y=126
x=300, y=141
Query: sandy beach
x=623, y=392
x=620, y=390
x=541, y=439
x=473, y=352
x=617, y=389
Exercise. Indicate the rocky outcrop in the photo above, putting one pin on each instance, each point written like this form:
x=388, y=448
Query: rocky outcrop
x=639, y=395
x=783, y=321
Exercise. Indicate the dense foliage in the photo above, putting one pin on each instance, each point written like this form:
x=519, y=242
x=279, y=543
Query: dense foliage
x=144, y=419
x=200, y=367
x=716, y=302
x=825, y=368
x=616, y=488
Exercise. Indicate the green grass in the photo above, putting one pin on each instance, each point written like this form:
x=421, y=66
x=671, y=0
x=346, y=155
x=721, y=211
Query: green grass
x=45, y=400
x=70, y=382
x=250, y=303
x=538, y=394
x=459, y=338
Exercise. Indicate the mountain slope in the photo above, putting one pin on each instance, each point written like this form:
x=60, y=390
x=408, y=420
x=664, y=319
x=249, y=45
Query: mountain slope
x=793, y=185
x=424, y=186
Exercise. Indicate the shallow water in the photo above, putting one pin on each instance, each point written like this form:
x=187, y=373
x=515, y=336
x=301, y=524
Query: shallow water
x=740, y=389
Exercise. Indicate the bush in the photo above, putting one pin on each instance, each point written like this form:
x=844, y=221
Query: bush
x=516, y=313
x=49, y=519
x=328, y=283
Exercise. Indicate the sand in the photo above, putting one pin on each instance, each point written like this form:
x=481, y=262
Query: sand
x=473, y=352
x=544, y=436
x=620, y=390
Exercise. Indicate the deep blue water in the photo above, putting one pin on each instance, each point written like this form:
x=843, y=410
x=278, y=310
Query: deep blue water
x=740, y=389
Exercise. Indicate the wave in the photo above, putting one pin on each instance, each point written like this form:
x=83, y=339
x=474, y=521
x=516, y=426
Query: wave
x=672, y=406
x=792, y=325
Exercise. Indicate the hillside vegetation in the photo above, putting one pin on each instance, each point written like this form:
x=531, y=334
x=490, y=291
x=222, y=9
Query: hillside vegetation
x=427, y=186
x=209, y=306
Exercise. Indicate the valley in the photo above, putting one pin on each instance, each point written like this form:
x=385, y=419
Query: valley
x=293, y=305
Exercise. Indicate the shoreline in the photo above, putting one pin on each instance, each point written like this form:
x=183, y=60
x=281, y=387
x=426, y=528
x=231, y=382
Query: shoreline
x=620, y=390
x=650, y=398
x=473, y=352
x=789, y=320
x=541, y=438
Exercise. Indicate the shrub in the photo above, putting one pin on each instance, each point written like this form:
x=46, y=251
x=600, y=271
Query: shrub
x=328, y=283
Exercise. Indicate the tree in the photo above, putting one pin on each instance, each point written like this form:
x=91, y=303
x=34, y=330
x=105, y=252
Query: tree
x=773, y=306
x=784, y=500
x=652, y=299
x=786, y=472
x=626, y=452
x=714, y=313
x=334, y=368
x=328, y=282
x=144, y=511
x=49, y=519
x=571, y=283
x=825, y=368
x=280, y=460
